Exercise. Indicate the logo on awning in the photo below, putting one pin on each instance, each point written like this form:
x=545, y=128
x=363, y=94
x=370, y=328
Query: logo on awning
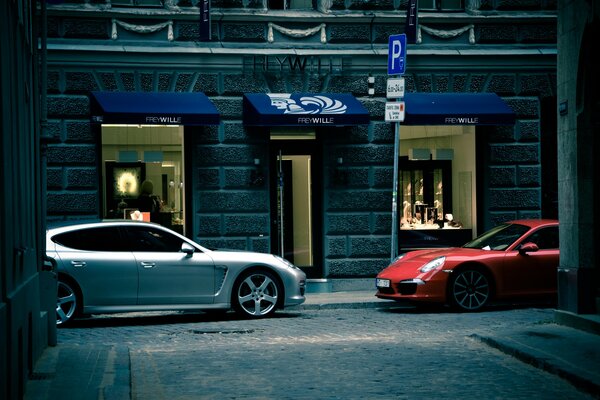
x=318, y=104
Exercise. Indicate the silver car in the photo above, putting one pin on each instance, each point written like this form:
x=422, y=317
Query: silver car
x=124, y=266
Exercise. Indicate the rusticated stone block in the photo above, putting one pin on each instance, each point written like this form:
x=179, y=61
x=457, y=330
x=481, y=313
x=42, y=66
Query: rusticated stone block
x=237, y=177
x=229, y=108
x=515, y=198
x=372, y=200
x=128, y=81
x=72, y=202
x=382, y=33
x=224, y=243
x=529, y=175
x=356, y=268
x=260, y=244
x=53, y=82
x=383, y=221
x=183, y=82
x=147, y=82
x=504, y=176
x=442, y=83
x=424, y=83
x=537, y=85
x=206, y=135
x=164, y=82
x=78, y=131
x=208, y=178
x=375, y=153
x=80, y=82
x=247, y=32
x=346, y=223
x=383, y=177
x=68, y=106
x=54, y=130
x=69, y=154
x=335, y=246
x=234, y=84
x=82, y=178
x=514, y=153
x=528, y=131
x=524, y=107
x=357, y=85
x=87, y=28
x=108, y=81
x=245, y=225
x=369, y=246
x=371, y=5
x=342, y=33
x=383, y=132
x=209, y=225
x=477, y=82
x=225, y=155
x=54, y=178
x=538, y=33
x=514, y=5
x=237, y=201
x=485, y=34
x=503, y=84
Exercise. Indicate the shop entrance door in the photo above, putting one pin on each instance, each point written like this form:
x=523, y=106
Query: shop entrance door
x=295, y=205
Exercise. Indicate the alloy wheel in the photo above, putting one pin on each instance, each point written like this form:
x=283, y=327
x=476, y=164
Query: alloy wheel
x=470, y=290
x=257, y=294
x=66, y=303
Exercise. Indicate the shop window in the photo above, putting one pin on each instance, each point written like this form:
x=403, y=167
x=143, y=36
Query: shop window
x=426, y=193
x=441, y=5
x=143, y=173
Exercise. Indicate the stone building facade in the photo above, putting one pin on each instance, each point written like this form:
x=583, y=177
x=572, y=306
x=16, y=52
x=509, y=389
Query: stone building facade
x=223, y=188
x=27, y=289
x=578, y=125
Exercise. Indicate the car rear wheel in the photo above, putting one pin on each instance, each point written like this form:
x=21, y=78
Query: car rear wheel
x=257, y=294
x=66, y=304
x=470, y=289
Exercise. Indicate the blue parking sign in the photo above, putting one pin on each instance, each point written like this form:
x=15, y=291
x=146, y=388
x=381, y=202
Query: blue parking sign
x=397, y=54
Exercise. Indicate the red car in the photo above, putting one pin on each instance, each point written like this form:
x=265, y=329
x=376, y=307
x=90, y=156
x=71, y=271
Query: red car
x=518, y=259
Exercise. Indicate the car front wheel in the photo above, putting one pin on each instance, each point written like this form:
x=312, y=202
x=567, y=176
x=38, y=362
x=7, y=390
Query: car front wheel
x=470, y=290
x=256, y=294
x=66, y=304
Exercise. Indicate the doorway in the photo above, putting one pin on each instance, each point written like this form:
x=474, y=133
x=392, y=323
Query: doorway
x=295, y=191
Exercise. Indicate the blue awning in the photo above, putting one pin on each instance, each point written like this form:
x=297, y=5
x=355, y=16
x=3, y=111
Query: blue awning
x=158, y=108
x=303, y=109
x=456, y=109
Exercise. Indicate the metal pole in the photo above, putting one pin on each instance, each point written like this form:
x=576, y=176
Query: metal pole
x=281, y=210
x=394, y=245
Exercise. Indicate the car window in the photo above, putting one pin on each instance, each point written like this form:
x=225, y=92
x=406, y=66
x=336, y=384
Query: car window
x=545, y=238
x=150, y=239
x=104, y=238
x=498, y=238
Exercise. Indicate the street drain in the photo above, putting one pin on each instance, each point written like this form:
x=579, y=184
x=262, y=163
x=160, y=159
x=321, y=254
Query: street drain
x=220, y=332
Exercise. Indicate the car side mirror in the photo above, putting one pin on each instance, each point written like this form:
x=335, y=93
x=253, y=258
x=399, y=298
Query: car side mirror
x=187, y=249
x=528, y=247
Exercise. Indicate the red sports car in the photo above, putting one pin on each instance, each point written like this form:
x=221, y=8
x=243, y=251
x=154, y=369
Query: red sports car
x=518, y=259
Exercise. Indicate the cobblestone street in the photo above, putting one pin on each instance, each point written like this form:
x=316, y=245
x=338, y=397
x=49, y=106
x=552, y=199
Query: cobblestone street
x=397, y=353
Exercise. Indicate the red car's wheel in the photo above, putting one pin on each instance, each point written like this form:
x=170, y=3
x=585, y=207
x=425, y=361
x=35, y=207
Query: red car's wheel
x=470, y=289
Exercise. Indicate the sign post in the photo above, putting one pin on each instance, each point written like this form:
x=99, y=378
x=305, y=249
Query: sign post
x=394, y=112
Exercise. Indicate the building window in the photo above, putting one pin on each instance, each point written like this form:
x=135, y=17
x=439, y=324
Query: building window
x=441, y=5
x=137, y=3
x=292, y=4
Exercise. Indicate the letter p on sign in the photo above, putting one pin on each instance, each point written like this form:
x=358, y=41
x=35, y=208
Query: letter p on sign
x=397, y=54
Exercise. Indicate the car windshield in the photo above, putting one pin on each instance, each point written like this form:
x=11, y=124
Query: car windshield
x=498, y=238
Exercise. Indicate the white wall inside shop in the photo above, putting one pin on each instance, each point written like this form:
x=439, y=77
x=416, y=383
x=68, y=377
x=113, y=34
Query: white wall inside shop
x=461, y=139
x=159, y=147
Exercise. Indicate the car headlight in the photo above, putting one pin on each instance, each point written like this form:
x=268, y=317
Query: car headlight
x=286, y=262
x=433, y=264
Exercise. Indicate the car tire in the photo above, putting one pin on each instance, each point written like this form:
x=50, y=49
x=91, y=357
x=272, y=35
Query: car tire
x=470, y=289
x=256, y=294
x=67, y=303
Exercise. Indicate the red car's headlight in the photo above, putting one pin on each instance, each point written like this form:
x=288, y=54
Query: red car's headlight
x=433, y=264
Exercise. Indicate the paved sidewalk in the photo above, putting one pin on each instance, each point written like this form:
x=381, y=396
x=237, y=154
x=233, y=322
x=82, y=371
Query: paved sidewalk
x=573, y=354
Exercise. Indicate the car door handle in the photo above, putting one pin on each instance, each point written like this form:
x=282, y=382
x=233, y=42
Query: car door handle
x=147, y=264
x=78, y=263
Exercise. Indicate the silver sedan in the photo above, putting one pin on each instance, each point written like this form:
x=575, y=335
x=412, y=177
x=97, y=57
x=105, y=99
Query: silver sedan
x=124, y=266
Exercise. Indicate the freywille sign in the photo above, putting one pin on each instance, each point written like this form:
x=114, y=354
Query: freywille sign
x=204, y=6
